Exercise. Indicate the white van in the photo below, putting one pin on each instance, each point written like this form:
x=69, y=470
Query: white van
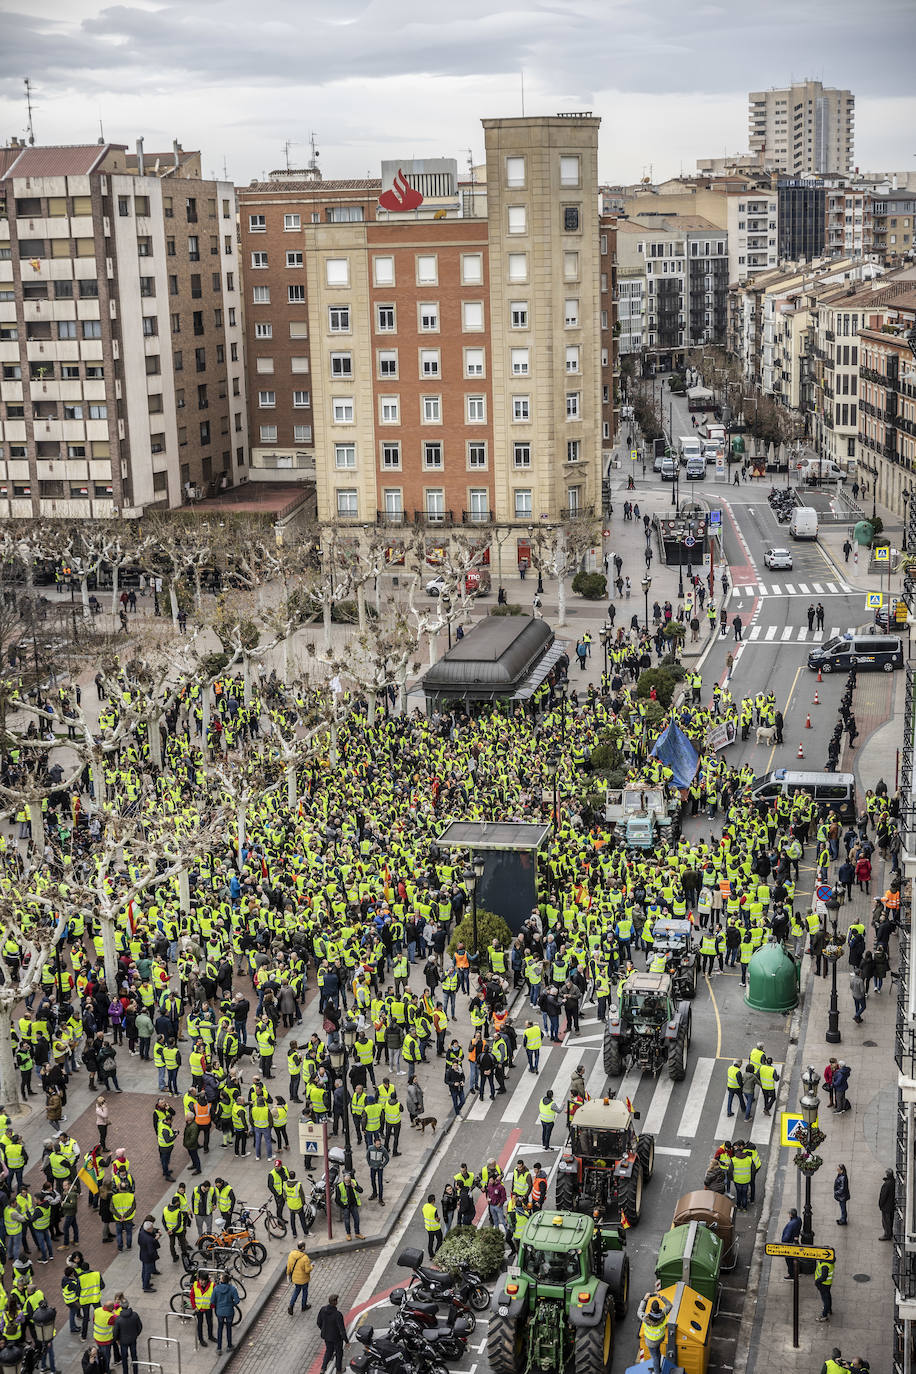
x=803, y=524
x=690, y=447
x=713, y=430
x=814, y=472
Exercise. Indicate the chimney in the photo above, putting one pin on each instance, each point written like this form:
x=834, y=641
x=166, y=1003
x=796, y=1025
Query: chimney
x=140, y=157
x=176, y=150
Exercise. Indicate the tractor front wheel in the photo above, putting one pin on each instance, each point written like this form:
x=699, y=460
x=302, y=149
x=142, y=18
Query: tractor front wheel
x=645, y=1153
x=613, y=1059
x=677, y=1058
x=566, y=1192
x=594, y=1348
x=505, y=1343
x=629, y=1195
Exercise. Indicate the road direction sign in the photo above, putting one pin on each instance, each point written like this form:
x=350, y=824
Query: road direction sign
x=715, y=517
x=689, y=542
x=787, y=1123
x=802, y=1252
x=874, y=600
x=883, y=554
x=824, y=893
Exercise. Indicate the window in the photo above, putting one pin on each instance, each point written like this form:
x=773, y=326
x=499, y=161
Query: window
x=267, y=399
x=477, y=456
x=570, y=219
x=194, y=248
x=291, y=222
x=391, y=455
x=473, y=362
x=299, y=364
x=429, y=318
x=337, y=271
x=63, y=291
x=519, y=358
x=257, y=224
x=572, y=358
x=73, y=412
x=387, y=362
x=435, y=503
x=170, y=247
x=123, y=206
x=390, y=410
x=427, y=269
x=268, y=434
x=431, y=409
x=298, y=329
x=259, y=259
x=296, y=294
x=432, y=454
x=571, y=266
x=150, y=326
x=301, y=400
x=571, y=313
x=521, y=455
x=476, y=409
x=294, y=257
x=572, y=405
x=522, y=504
x=92, y=329
x=515, y=172
x=394, y=503
x=98, y=412
x=344, y=214
x=518, y=266
x=574, y=500
x=383, y=269
x=263, y=331
x=154, y=403
x=341, y=365
x=66, y=329
x=345, y=455
x=569, y=171
x=521, y=408
x=479, y=503
x=472, y=316
x=429, y=362
x=178, y=360
x=197, y=318
x=302, y=434
x=518, y=219
x=145, y=246
x=472, y=269
x=347, y=503
x=342, y=410
x=70, y=372
x=200, y=360
x=572, y=451
x=518, y=314
x=260, y=295
x=339, y=319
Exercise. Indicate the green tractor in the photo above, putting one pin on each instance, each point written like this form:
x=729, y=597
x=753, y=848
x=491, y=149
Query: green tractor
x=558, y=1305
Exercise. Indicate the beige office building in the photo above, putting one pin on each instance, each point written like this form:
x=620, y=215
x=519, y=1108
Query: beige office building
x=803, y=128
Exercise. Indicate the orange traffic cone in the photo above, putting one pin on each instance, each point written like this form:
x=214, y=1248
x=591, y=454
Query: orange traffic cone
x=808, y=721
x=801, y=752
x=820, y=676
x=816, y=701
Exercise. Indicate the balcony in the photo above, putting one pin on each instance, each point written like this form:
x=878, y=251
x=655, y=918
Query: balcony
x=577, y=513
x=433, y=517
x=390, y=517
x=829, y=335
x=476, y=517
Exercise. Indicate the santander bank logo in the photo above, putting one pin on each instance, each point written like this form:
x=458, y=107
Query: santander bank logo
x=400, y=196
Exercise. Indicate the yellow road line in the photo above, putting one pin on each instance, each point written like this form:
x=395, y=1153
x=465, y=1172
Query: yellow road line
x=715, y=1008
x=785, y=712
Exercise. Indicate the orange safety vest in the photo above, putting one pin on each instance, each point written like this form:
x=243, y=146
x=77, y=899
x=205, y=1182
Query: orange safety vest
x=462, y=961
x=202, y=1113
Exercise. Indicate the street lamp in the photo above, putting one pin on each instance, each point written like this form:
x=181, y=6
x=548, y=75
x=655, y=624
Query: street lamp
x=680, y=565
x=646, y=584
x=809, y=1103
x=553, y=767
x=340, y=1046
x=561, y=688
x=603, y=634
x=472, y=876
x=832, y=951
x=445, y=601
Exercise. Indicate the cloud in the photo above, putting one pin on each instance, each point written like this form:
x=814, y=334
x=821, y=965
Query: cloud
x=381, y=78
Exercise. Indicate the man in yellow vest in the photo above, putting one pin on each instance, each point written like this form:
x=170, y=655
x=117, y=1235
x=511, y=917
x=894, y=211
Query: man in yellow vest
x=653, y=1314
x=202, y=1304
x=433, y=1225
x=532, y=1038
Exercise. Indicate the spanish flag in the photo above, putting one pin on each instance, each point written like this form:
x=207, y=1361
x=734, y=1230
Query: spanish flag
x=90, y=1173
x=625, y=1225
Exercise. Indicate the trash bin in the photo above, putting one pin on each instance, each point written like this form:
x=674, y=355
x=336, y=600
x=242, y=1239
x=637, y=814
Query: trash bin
x=690, y=1254
x=772, y=980
x=687, y=1344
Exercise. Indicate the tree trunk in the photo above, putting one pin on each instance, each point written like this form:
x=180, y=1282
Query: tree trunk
x=36, y=816
x=114, y=590
x=173, y=602
x=561, y=577
x=205, y=713
x=361, y=607
x=433, y=646
x=291, y=784
x=561, y=601
x=155, y=741
x=107, y=923
x=246, y=678
x=184, y=890
x=326, y=621
x=84, y=596
x=402, y=688
x=9, y=1078
x=332, y=753
x=286, y=657
x=370, y=707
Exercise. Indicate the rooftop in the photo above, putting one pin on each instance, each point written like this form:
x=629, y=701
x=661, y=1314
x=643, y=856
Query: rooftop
x=65, y=160
x=318, y=189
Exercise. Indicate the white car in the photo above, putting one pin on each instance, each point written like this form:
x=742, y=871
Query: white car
x=778, y=558
x=435, y=586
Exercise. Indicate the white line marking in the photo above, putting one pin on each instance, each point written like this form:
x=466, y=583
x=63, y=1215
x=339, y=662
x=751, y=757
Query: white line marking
x=790, y=589
x=594, y=1084
x=658, y=1106
x=673, y=1150
x=523, y=1089
x=816, y=587
x=770, y=632
x=802, y=635
x=755, y=631
x=696, y=1097
x=774, y=590
x=786, y=632
x=803, y=588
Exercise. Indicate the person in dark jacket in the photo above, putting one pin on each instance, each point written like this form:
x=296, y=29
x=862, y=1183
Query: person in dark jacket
x=886, y=1205
x=333, y=1330
x=841, y=1192
x=127, y=1328
x=225, y=1301
x=790, y=1234
x=148, y=1245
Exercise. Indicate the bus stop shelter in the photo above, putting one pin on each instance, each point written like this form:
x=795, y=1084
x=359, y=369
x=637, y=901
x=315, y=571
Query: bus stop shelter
x=509, y=850
x=503, y=658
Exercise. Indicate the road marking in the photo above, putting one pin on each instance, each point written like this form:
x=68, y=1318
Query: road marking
x=831, y=587
x=723, y=1128
x=696, y=1097
x=790, y=590
x=762, y=589
x=770, y=632
x=755, y=631
x=585, y=1039
x=803, y=588
x=594, y=1084
x=659, y=1104
x=774, y=590
x=834, y=633
x=802, y=635
x=563, y=1075
x=523, y=1090
x=629, y=1084
x=673, y=1150
x=786, y=632
x=715, y=1009
x=816, y=587
x=480, y=1108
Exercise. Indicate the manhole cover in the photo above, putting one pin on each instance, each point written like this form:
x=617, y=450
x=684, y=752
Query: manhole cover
x=861, y=1278
x=870, y=1044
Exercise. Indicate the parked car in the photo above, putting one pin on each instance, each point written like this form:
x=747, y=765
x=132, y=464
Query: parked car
x=778, y=558
x=892, y=616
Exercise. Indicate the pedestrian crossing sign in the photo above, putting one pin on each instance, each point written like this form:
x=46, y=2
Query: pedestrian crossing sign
x=311, y=1147
x=874, y=600
x=634, y=454
x=883, y=553
x=787, y=1123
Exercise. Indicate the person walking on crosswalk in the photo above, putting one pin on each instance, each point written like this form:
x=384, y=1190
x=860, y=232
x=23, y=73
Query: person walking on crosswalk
x=768, y=1080
x=735, y=1087
x=548, y=1111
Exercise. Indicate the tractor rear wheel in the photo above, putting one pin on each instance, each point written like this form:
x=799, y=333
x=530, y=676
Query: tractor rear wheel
x=677, y=1058
x=613, y=1059
x=645, y=1153
x=690, y=988
x=505, y=1343
x=615, y=1272
x=566, y=1192
x=594, y=1348
x=629, y=1195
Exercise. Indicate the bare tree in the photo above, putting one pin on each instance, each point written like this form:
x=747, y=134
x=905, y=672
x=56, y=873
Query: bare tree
x=34, y=938
x=560, y=551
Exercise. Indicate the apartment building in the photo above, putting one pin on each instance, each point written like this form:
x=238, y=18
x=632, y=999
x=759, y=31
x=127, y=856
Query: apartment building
x=747, y=213
x=803, y=128
x=430, y=350
x=801, y=218
x=894, y=225
x=886, y=441
x=673, y=289
x=120, y=332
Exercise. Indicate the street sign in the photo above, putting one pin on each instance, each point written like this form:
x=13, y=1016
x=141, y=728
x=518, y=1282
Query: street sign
x=715, y=517
x=689, y=542
x=310, y=1137
x=787, y=1123
x=605, y=534
x=882, y=554
x=802, y=1252
x=634, y=454
x=824, y=893
x=874, y=600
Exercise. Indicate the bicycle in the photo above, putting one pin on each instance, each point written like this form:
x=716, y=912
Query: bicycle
x=275, y=1226
x=243, y=1234
x=184, y=1283
x=245, y=1259
x=181, y=1303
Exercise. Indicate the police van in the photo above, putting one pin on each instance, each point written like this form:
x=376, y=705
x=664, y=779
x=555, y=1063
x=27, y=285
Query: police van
x=837, y=791
x=861, y=652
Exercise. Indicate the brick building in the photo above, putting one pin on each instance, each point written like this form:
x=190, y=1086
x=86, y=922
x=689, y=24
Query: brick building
x=120, y=332
x=430, y=350
x=886, y=446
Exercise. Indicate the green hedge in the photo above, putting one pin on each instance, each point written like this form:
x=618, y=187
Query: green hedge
x=484, y=1250
x=510, y=608
x=490, y=927
x=662, y=679
x=591, y=585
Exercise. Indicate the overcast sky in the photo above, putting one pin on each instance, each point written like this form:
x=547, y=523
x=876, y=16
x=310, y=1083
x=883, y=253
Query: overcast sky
x=399, y=78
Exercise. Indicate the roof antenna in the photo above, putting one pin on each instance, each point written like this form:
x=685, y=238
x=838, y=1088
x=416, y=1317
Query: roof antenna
x=28, y=101
x=101, y=133
x=523, y=93
x=313, y=159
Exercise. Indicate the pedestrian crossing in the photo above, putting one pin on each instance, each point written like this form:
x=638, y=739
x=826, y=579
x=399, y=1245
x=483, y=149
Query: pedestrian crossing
x=672, y=1112
x=753, y=589
x=797, y=634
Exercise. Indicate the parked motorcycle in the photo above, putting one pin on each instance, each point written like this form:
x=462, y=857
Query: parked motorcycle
x=437, y=1285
